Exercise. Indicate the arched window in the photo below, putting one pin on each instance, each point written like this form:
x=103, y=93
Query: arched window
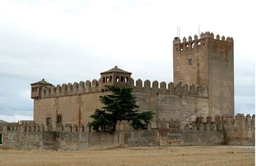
x=117, y=78
x=122, y=79
x=126, y=79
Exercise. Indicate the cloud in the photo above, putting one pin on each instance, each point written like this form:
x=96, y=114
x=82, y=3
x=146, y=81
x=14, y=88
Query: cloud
x=72, y=41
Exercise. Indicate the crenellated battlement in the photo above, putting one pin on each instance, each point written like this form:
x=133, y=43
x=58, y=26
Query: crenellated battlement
x=210, y=130
x=189, y=43
x=145, y=87
x=226, y=122
x=217, y=37
x=170, y=88
x=32, y=127
x=42, y=128
x=71, y=89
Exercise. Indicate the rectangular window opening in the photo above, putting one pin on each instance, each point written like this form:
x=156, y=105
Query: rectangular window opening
x=59, y=119
x=48, y=121
x=189, y=61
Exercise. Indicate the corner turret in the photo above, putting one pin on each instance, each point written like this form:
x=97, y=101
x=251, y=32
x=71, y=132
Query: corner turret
x=37, y=87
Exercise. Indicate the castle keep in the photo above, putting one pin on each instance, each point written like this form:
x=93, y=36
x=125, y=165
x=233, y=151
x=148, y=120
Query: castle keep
x=196, y=109
x=203, y=85
x=209, y=62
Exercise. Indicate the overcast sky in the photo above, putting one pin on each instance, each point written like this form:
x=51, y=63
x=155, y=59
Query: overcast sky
x=71, y=41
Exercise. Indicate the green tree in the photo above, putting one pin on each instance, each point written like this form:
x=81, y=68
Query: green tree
x=101, y=119
x=119, y=105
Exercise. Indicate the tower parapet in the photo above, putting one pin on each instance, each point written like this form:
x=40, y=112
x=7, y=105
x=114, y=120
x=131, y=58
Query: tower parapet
x=70, y=89
x=94, y=86
x=171, y=88
x=188, y=43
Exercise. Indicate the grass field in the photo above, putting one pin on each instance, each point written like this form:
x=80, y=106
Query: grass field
x=189, y=155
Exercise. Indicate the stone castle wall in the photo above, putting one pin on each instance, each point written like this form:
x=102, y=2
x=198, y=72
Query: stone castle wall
x=216, y=130
x=140, y=86
x=238, y=130
x=76, y=102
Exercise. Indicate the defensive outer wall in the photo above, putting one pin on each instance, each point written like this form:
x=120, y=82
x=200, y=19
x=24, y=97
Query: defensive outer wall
x=225, y=130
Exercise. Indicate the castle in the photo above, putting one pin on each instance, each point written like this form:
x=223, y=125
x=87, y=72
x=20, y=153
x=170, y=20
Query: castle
x=203, y=85
x=196, y=109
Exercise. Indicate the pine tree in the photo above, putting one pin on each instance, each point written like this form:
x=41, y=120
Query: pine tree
x=120, y=105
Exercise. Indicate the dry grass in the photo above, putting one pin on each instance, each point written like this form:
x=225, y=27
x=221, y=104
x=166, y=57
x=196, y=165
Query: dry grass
x=190, y=155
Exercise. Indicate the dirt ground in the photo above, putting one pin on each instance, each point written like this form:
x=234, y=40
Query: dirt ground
x=189, y=155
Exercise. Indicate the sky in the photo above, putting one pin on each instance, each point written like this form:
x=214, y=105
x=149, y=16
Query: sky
x=71, y=41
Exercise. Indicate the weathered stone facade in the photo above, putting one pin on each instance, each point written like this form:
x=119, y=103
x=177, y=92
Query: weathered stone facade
x=228, y=130
x=75, y=105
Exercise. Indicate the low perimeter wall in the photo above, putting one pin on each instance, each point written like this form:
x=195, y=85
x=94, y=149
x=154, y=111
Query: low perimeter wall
x=80, y=140
x=86, y=140
x=225, y=130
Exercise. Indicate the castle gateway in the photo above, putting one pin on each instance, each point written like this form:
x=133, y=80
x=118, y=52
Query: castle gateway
x=203, y=85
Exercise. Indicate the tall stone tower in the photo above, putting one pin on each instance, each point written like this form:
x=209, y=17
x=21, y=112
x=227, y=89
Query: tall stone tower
x=207, y=61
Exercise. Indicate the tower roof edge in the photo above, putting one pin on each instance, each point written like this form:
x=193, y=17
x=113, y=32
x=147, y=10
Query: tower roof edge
x=116, y=70
x=42, y=82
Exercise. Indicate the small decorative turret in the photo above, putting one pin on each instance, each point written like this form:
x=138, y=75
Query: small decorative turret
x=37, y=87
x=115, y=76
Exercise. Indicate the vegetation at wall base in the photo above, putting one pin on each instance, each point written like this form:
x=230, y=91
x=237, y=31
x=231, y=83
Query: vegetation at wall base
x=119, y=105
